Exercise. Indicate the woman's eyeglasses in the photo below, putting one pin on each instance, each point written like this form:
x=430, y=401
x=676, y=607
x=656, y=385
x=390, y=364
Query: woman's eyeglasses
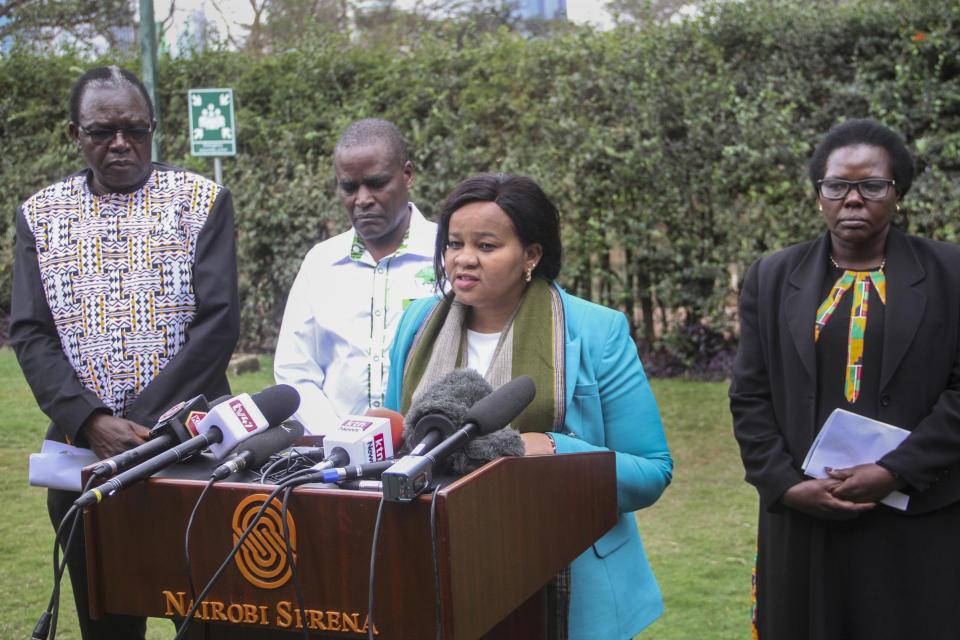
x=103, y=136
x=870, y=189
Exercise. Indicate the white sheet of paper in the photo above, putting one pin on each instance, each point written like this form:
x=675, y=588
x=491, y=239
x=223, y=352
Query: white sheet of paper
x=58, y=465
x=848, y=439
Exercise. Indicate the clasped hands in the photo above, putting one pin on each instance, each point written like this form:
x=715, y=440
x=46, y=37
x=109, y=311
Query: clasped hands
x=845, y=494
x=109, y=435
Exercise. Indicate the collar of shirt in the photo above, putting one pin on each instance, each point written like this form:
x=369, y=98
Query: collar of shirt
x=413, y=243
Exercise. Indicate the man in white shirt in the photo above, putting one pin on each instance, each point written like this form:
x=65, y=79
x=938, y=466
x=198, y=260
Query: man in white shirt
x=346, y=301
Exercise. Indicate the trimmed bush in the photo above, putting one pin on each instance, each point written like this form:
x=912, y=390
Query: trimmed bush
x=676, y=153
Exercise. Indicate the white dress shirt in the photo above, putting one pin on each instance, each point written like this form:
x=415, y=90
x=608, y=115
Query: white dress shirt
x=341, y=314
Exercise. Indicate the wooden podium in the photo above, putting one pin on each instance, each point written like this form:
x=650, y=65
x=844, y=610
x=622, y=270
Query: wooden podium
x=502, y=532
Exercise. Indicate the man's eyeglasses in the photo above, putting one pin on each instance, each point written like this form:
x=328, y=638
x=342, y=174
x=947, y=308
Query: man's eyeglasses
x=870, y=189
x=103, y=136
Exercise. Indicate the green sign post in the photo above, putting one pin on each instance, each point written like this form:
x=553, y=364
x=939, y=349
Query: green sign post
x=212, y=125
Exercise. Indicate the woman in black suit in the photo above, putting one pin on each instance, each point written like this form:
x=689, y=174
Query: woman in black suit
x=866, y=319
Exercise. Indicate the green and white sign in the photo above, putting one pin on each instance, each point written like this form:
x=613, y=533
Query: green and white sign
x=212, y=126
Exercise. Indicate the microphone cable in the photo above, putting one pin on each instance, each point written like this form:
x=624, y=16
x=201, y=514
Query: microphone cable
x=233, y=552
x=52, y=613
x=373, y=565
x=436, y=559
x=294, y=461
x=288, y=547
x=303, y=476
x=47, y=624
x=186, y=537
x=436, y=563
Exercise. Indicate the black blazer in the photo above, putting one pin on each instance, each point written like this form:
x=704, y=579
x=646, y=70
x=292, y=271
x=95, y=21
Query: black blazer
x=772, y=396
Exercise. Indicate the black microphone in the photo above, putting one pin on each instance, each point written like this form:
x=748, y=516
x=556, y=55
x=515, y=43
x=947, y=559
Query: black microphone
x=176, y=425
x=254, y=452
x=238, y=419
x=489, y=415
x=483, y=449
x=439, y=410
x=411, y=475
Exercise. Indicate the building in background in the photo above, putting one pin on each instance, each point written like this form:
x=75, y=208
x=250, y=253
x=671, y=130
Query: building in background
x=546, y=9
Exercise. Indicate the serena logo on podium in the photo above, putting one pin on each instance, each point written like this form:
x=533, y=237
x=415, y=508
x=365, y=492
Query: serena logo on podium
x=262, y=559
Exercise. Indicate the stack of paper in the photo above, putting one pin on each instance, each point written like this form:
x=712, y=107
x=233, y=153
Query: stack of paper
x=848, y=439
x=58, y=465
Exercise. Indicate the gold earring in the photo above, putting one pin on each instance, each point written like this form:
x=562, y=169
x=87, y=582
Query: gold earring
x=898, y=207
x=820, y=206
x=529, y=275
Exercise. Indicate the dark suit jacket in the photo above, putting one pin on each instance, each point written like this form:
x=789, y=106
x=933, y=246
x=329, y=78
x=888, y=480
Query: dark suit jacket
x=772, y=396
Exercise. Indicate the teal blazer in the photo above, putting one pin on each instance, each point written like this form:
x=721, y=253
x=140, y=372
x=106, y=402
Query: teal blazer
x=609, y=407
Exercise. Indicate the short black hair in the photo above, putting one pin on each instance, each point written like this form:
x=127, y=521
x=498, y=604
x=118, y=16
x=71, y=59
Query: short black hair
x=870, y=132
x=105, y=76
x=534, y=217
x=370, y=131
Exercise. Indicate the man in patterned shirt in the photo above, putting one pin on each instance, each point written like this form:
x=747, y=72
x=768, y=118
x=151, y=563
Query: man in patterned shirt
x=348, y=296
x=124, y=293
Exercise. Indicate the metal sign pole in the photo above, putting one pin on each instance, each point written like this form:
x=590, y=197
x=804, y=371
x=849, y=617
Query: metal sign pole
x=148, y=51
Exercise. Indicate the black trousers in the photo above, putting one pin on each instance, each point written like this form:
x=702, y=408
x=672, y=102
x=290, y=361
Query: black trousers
x=110, y=627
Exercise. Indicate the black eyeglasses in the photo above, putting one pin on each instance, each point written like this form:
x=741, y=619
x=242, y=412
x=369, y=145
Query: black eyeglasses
x=103, y=136
x=870, y=189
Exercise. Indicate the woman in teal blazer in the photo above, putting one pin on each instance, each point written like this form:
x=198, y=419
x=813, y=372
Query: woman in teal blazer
x=498, y=246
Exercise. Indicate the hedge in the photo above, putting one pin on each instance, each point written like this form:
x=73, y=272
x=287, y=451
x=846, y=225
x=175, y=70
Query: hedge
x=676, y=153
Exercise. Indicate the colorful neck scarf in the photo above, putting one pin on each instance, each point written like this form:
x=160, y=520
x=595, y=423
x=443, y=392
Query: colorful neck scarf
x=860, y=282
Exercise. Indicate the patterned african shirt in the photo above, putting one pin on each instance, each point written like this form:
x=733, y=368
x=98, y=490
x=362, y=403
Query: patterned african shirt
x=117, y=272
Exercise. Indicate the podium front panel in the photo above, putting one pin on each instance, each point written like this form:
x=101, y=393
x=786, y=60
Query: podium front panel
x=502, y=532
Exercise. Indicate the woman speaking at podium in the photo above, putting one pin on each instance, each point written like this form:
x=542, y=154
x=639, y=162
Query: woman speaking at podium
x=498, y=251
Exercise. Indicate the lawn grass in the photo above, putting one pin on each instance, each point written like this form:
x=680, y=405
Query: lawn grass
x=699, y=537
x=26, y=537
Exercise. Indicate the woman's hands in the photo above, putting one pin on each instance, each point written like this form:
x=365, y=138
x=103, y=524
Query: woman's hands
x=864, y=483
x=845, y=494
x=816, y=498
x=537, y=444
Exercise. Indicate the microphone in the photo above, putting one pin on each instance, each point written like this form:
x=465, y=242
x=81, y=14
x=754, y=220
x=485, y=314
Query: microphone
x=363, y=485
x=233, y=420
x=359, y=439
x=353, y=472
x=396, y=423
x=243, y=416
x=411, y=475
x=483, y=449
x=436, y=413
x=254, y=452
x=176, y=425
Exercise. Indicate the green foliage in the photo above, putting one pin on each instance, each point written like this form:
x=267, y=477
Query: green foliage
x=625, y=11
x=676, y=152
x=52, y=24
